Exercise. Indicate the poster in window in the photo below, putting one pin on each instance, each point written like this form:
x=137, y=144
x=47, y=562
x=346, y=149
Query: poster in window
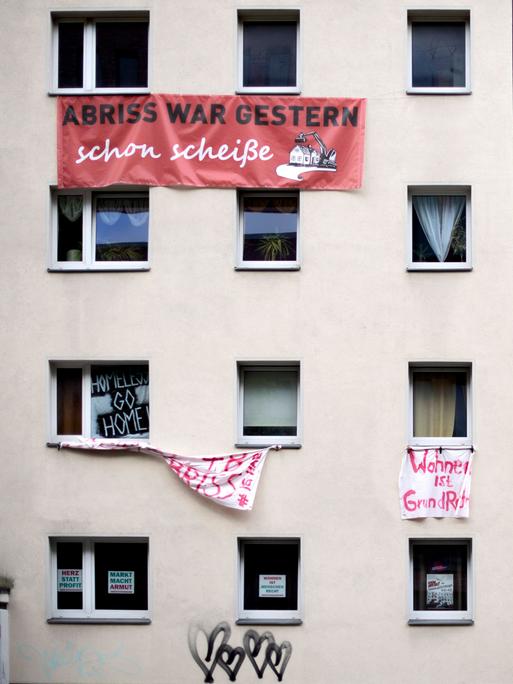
x=121, y=581
x=440, y=590
x=69, y=580
x=120, y=401
x=272, y=586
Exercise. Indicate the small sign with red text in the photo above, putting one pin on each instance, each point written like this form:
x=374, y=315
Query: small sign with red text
x=69, y=580
x=272, y=585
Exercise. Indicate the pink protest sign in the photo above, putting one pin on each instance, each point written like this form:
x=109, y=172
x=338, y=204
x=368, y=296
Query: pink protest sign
x=435, y=483
x=228, y=479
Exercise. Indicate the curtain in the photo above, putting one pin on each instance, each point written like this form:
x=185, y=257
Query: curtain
x=270, y=398
x=70, y=206
x=111, y=208
x=281, y=205
x=438, y=217
x=434, y=406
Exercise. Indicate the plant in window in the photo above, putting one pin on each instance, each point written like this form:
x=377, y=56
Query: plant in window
x=274, y=247
x=422, y=253
x=120, y=253
x=459, y=240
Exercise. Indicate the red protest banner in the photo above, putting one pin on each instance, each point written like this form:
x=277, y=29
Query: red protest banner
x=210, y=141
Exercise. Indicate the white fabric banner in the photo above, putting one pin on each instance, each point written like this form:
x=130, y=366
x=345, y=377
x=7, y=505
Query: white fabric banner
x=435, y=483
x=228, y=479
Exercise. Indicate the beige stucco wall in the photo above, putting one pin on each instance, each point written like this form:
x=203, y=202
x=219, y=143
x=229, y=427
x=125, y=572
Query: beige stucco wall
x=352, y=316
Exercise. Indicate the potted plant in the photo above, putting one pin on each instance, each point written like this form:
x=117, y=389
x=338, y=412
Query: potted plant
x=274, y=247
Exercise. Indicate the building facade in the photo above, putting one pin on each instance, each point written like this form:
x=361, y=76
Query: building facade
x=342, y=325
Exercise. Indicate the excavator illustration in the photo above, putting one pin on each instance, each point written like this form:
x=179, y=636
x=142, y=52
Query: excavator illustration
x=303, y=154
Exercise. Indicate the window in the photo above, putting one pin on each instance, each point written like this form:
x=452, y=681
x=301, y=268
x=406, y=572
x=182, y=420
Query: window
x=269, y=404
x=268, y=230
x=99, y=579
x=440, y=581
x=268, y=51
x=439, y=228
x=269, y=581
x=104, y=400
x=439, y=52
x=440, y=405
x=103, y=53
x=100, y=230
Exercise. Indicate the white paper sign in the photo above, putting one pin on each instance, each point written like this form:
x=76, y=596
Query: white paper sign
x=121, y=581
x=69, y=580
x=435, y=483
x=272, y=585
x=440, y=590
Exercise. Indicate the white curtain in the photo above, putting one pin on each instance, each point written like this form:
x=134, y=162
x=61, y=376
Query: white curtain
x=71, y=207
x=135, y=208
x=438, y=217
x=270, y=398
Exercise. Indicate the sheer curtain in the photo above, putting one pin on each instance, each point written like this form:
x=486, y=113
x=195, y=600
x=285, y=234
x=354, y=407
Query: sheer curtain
x=438, y=217
x=111, y=209
x=71, y=207
x=434, y=407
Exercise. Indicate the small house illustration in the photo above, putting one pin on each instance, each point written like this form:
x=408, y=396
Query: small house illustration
x=306, y=155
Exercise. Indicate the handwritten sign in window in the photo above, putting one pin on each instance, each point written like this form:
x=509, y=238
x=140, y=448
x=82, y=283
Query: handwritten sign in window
x=120, y=401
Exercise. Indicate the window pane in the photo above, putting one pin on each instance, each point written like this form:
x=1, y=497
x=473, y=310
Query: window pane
x=69, y=227
x=69, y=575
x=69, y=401
x=439, y=227
x=440, y=404
x=270, y=228
x=71, y=54
x=122, y=228
x=121, y=575
x=271, y=568
x=269, y=53
x=440, y=577
x=121, y=54
x=270, y=402
x=120, y=401
x=438, y=53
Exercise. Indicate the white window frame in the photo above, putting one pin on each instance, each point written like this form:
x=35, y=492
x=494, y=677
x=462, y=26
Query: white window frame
x=263, y=265
x=262, y=441
x=431, y=617
x=89, y=57
x=441, y=441
x=88, y=262
x=55, y=437
x=88, y=613
x=442, y=16
x=271, y=16
x=449, y=190
x=268, y=616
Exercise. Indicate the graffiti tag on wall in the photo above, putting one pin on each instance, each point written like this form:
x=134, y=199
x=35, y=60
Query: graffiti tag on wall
x=261, y=650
